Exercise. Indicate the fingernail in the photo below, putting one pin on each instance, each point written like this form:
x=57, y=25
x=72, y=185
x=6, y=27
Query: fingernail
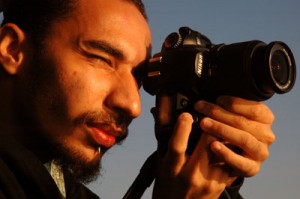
x=217, y=146
x=207, y=123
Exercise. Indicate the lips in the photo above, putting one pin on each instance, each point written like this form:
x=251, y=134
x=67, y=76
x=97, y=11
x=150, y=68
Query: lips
x=103, y=135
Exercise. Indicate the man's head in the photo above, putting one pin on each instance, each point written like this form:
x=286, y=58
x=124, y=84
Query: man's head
x=72, y=75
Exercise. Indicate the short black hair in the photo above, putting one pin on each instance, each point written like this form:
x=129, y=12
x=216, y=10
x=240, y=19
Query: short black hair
x=34, y=17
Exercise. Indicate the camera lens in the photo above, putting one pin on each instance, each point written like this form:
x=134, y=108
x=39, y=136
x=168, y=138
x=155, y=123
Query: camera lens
x=280, y=67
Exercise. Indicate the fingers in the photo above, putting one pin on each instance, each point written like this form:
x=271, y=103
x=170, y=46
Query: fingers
x=248, y=162
x=239, y=165
x=240, y=116
x=250, y=109
x=179, y=141
x=243, y=124
x=244, y=140
x=191, y=176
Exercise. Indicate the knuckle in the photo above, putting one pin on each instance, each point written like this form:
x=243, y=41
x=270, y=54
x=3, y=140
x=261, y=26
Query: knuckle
x=262, y=153
x=253, y=171
x=247, y=142
x=256, y=148
x=209, y=188
x=187, y=180
x=267, y=111
x=262, y=132
x=249, y=170
x=267, y=135
x=175, y=151
x=271, y=117
x=257, y=111
x=270, y=138
x=263, y=110
x=243, y=122
x=265, y=154
x=206, y=187
x=192, y=180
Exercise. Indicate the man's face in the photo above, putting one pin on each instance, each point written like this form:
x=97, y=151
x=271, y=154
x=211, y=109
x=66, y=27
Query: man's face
x=86, y=93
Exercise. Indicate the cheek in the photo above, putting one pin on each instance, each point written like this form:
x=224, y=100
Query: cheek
x=82, y=91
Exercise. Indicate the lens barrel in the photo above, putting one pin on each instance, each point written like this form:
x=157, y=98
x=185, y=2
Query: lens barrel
x=252, y=70
x=274, y=68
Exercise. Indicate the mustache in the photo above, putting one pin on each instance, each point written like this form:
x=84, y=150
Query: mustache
x=116, y=120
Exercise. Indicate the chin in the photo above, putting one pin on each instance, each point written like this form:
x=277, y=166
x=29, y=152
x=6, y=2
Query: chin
x=80, y=165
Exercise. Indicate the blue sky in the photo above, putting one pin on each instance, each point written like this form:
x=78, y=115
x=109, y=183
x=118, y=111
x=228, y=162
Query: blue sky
x=227, y=21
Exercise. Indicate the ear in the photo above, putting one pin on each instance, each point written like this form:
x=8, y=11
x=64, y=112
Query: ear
x=11, y=48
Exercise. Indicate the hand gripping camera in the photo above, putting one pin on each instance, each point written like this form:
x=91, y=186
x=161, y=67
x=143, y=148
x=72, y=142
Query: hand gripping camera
x=190, y=68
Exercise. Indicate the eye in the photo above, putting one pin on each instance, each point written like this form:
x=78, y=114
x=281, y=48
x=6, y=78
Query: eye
x=138, y=74
x=97, y=59
x=102, y=59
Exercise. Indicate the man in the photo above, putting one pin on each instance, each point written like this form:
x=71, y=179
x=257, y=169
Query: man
x=69, y=89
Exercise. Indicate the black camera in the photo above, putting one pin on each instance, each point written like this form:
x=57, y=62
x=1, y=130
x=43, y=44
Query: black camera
x=190, y=64
x=190, y=68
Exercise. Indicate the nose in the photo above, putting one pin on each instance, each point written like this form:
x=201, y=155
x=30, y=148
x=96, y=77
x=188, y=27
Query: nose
x=125, y=96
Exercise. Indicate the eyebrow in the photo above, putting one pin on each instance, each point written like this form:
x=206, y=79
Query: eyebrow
x=106, y=47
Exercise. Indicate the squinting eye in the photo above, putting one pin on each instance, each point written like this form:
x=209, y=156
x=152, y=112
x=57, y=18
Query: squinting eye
x=138, y=74
x=97, y=58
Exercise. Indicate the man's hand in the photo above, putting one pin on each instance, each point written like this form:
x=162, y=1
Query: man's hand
x=231, y=123
x=243, y=124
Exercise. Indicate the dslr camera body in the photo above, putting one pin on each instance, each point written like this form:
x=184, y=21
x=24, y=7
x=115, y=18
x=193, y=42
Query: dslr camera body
x=190, y=68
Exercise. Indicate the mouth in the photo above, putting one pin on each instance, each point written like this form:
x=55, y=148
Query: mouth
x=103, y=136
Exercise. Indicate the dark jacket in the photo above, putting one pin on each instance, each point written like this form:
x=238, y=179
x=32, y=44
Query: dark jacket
x=23, y=176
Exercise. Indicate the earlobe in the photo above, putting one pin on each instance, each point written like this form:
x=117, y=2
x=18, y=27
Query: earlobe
x=11, y=48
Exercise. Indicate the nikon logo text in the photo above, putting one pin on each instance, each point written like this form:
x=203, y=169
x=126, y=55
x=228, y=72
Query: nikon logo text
x=199, y=64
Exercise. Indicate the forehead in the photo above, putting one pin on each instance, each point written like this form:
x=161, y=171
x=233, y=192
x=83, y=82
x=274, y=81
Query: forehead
x=108, y=8
x=116, y=21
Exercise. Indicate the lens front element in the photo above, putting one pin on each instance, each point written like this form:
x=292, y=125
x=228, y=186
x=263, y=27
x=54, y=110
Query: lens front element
x=282, y=67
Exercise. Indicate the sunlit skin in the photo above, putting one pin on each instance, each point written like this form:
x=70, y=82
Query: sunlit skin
x=90, y=70
x=95, y=71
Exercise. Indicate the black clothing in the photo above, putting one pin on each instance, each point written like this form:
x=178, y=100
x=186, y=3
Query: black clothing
x=23, y=176
x=233, y=191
